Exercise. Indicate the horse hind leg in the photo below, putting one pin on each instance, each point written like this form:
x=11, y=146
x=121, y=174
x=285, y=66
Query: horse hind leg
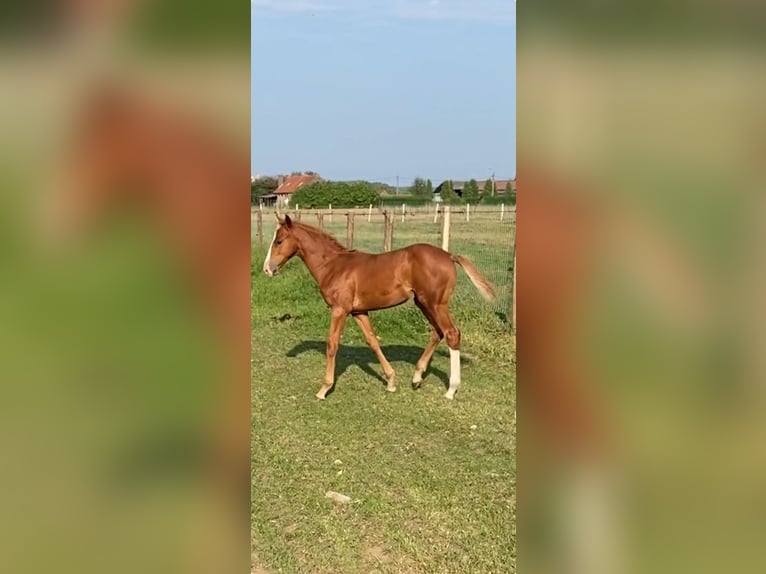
x=425, y=358
x=452, y=334
x=363, y=320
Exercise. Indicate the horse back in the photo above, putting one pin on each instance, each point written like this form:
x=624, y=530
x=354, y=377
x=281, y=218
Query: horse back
x=380, y=280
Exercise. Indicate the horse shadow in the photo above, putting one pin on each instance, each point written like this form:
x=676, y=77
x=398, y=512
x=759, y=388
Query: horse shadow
x=365, y=358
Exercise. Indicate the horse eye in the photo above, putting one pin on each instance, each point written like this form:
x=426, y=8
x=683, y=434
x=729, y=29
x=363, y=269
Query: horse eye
x=278, y=242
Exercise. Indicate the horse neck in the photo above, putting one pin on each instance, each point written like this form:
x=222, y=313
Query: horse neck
x=317, y=251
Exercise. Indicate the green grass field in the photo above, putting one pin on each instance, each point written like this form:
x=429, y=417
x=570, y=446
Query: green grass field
x=432, y=482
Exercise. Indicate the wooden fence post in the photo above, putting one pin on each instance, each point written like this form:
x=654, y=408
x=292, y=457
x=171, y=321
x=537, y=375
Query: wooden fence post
x=436, y=213
x=369, y=213
x=385, y=229
x=403, y=208
x=446, y=228
x=502, y=211
x=350, y=230
x=388, y=230
x=330, y=214
x=320, y=220
x=259, y=226
x=391, y=232
x=468, y=212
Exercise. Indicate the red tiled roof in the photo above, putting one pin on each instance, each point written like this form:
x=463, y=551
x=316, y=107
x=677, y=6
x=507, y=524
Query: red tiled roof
x=293, y=182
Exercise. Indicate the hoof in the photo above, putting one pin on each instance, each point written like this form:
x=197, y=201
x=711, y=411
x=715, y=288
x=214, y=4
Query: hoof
x=416, y=385
x=390, y=385
x=449, y=396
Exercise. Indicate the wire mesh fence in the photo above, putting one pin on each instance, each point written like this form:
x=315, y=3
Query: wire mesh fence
x=486, y=235
x=489, y=242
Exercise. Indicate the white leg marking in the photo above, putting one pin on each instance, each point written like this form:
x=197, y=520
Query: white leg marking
x=268, y=256
x=454, y=373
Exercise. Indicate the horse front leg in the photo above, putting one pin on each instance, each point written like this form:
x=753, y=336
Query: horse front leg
x=333, y=341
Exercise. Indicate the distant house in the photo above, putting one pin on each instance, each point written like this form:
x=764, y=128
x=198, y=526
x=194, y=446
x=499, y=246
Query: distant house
x=502, y=187
x=262, y=188
x=288, y=185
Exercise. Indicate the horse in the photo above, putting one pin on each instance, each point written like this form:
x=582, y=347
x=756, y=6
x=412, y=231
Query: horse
x=354, y=283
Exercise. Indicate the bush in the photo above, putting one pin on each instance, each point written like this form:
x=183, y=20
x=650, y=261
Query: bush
x=508, y=199
x=336, y=193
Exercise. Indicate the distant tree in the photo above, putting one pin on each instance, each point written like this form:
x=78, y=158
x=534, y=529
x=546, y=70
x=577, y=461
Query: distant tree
x=448, y=193
x=383, y=188
x=471, y=192
x=489, y=188
x=260, y=187
x=429, y=188
x=419, y=187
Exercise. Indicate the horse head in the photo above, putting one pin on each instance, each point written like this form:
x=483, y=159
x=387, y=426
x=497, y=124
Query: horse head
x=283, y=246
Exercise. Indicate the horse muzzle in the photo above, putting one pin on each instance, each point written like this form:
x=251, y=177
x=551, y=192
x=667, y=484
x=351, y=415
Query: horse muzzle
x=269, y=269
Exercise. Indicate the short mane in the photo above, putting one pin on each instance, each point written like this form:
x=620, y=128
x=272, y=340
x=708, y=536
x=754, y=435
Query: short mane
x=319, y=235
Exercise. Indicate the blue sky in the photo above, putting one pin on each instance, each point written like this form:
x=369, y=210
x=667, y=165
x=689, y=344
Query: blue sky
x=372, y=89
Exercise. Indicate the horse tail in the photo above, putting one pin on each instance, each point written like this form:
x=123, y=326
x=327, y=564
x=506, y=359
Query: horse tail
x=484, y=286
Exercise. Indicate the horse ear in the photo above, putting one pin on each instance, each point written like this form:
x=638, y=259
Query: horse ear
x=280, y=220
x=288, y=221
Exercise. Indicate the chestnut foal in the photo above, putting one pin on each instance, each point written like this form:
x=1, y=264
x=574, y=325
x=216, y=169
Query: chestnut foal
x=354, y=283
